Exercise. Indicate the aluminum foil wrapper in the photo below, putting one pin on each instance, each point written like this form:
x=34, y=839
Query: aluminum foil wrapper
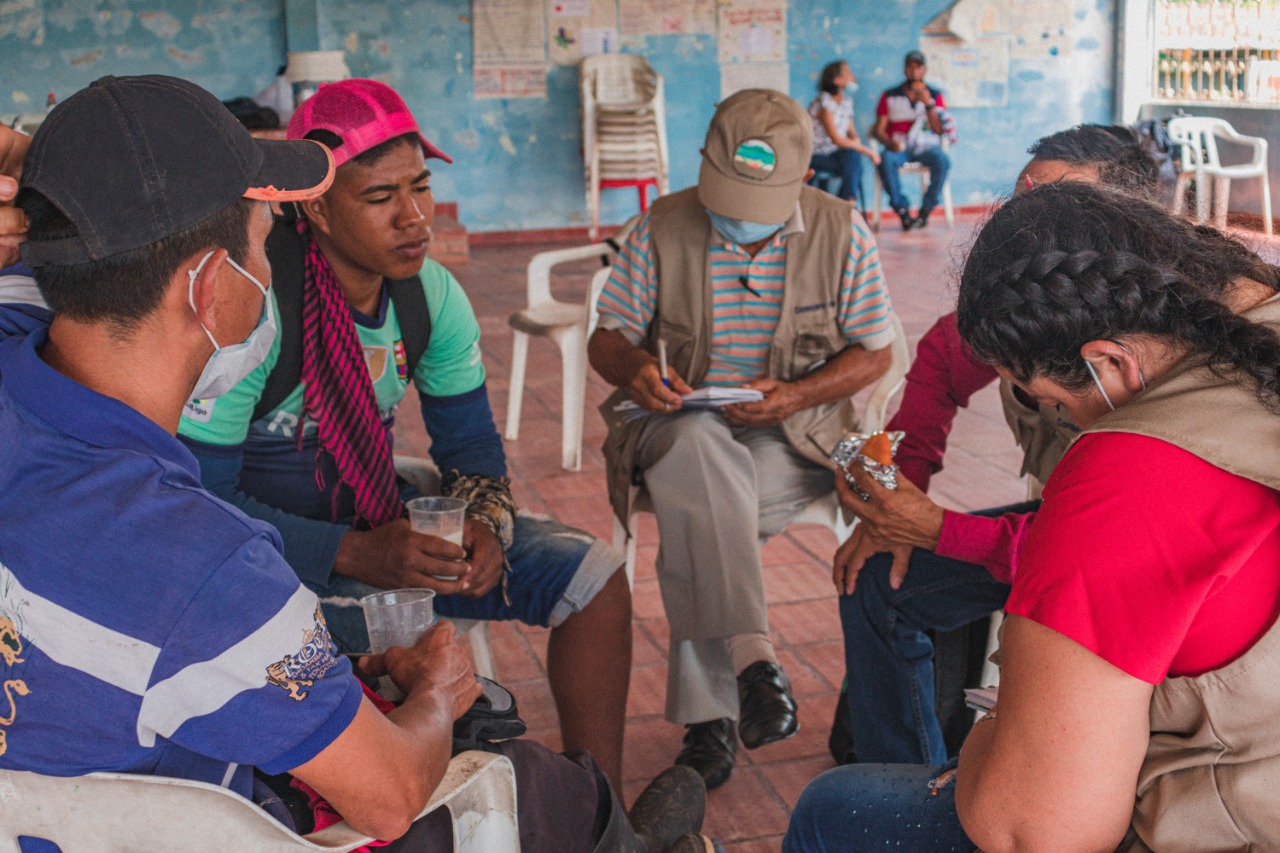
x=849, y=448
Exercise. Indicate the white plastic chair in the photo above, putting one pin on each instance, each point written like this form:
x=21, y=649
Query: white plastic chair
x=913, y=169
x=1197, y=136
x=565, y=323
x=569, y=324
x=624, y=129
x=824, y=510
x=124, y=813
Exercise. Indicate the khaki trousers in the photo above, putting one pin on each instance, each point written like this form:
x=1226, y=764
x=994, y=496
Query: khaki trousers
x=719, y=492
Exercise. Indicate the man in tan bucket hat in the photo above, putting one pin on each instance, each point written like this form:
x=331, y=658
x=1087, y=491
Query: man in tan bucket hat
x=748, y=280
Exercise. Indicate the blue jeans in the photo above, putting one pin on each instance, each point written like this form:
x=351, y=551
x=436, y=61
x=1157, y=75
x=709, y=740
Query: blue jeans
x=934, y=158
x=889, y=657
x=555, y=571
x=876, y=807
x=846, y=164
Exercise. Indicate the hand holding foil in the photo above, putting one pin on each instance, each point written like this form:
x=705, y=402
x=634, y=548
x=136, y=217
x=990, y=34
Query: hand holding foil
x=894, y=519
x=874, y=454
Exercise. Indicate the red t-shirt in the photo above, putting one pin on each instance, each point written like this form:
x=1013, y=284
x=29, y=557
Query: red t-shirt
x=1151, y=558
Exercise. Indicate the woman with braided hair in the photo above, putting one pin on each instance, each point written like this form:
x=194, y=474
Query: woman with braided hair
x=1140, y=658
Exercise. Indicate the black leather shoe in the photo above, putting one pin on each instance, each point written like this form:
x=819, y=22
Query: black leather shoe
x=710, y=748
x=905, y=216
x=923, y=219
x=766, y=711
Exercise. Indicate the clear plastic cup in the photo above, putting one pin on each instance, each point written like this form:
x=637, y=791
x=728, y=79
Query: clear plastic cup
x=398, y=617
x=438, y=516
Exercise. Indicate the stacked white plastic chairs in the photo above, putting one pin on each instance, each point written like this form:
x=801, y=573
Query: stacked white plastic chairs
x=624, y=129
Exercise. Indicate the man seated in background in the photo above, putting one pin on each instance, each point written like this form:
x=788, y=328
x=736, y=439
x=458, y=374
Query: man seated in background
x=748, y=279
x=911, y=124
x=305, y=441
x=148, y=626
x=944, y=569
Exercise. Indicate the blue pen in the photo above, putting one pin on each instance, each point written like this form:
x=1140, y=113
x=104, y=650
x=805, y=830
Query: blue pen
x=662, y=362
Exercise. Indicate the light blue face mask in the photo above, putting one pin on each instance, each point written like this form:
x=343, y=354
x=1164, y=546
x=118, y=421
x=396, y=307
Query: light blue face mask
x=741, y=231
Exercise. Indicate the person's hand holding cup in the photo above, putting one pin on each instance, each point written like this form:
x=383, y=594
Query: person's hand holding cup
x=442, y=517
x=397, y=617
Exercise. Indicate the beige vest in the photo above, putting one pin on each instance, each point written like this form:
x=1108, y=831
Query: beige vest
x=808, y=330
x=1211, y=777
x=1042, y=433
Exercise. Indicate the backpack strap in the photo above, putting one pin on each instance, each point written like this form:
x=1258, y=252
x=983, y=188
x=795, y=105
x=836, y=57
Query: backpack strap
x=288, y=271
x=414, y=318
x=284, y=250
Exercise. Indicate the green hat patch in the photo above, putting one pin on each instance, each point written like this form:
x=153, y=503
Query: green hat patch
x=755, y=158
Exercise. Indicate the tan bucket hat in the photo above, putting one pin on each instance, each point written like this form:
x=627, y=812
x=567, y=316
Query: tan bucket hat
x=756, y=156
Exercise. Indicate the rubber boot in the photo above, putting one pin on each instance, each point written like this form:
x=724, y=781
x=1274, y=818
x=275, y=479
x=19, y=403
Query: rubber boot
x=671, y=807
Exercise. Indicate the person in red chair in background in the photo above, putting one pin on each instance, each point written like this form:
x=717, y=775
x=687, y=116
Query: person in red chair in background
x=941, y=570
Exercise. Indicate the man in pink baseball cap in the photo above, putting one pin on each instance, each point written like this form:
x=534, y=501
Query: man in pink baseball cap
x=305, y=441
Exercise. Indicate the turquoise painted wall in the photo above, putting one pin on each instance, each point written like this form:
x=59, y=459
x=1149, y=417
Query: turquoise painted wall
x=231, y=47
x=518, y=162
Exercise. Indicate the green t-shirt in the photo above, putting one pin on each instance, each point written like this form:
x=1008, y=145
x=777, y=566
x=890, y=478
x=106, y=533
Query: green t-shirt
x=451, y=365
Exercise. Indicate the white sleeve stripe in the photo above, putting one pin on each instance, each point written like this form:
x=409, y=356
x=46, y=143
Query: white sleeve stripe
x=229, y=775
x=75, y=642
x=204, y=687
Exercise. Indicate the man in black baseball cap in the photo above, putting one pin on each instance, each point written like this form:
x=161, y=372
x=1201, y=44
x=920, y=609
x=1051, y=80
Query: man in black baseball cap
x=130, y=161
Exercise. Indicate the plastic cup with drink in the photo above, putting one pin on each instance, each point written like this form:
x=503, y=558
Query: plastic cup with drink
x=397, y=617
x=441, y=517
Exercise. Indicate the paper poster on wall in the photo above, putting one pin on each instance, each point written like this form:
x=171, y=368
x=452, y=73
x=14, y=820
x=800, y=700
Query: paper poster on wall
x=666, y=17
x=970, y=73
x=577, y=28
x=509, y=81
x=736, y=76
x=1039, y=29
x=752, y=31
x=570, y=8
x=599, y=40
x=507, y=32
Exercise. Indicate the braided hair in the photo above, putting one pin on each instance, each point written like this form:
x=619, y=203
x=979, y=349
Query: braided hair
x=1068, y=263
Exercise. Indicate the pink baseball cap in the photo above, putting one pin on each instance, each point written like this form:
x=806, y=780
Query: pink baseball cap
x=363, y=113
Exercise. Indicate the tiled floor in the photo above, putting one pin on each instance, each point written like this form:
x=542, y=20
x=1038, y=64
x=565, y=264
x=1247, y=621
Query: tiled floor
x=749, y=813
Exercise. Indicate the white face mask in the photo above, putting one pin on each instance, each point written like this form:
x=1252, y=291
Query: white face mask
x=1096, y=381
x=229, y=364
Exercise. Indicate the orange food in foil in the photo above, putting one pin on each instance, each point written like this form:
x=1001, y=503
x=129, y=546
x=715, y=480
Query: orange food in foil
x=879, y=448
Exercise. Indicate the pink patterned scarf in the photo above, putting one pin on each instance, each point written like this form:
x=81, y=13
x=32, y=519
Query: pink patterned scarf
x=338, y=395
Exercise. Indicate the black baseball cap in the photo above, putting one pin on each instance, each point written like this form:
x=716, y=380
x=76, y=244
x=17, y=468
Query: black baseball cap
x=914, y=56
x=132, y=160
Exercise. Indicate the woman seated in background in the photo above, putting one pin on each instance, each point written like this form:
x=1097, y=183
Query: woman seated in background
x=837, y=148
x=1140, y=671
